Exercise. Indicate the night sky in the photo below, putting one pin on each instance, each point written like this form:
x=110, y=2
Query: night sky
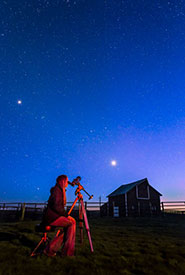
x=87, y=82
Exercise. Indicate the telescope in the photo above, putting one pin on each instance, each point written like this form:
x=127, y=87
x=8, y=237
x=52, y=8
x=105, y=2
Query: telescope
x=76, y=181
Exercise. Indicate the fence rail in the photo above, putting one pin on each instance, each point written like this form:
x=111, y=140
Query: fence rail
x=40, y=206
x=173, y=206
x=35, y=207
x=20, y=210
x=165, y=205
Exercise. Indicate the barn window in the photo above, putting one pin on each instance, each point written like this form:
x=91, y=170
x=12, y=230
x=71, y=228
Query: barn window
x=145, y=193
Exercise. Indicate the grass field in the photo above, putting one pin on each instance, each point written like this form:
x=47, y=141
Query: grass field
x=121, y=246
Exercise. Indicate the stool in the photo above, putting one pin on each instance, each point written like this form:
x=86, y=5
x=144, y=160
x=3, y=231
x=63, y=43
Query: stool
x=45, y=229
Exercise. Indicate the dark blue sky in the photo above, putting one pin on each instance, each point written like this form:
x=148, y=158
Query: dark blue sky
x=98, y=80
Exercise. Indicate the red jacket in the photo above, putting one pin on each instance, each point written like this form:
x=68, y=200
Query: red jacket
x=56, y=203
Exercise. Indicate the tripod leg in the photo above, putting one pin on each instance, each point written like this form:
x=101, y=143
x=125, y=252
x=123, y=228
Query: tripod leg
x=43, y=240
x=81, y=223
x=73, y=205
x=86, y=225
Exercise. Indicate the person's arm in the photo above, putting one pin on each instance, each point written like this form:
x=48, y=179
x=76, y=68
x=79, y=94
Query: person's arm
x=58, y=202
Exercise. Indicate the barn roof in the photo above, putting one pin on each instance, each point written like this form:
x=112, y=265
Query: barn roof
x=127, y=187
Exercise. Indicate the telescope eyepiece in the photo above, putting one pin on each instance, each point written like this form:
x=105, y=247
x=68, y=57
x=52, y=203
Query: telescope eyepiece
x=71, y=183
x=76, y=181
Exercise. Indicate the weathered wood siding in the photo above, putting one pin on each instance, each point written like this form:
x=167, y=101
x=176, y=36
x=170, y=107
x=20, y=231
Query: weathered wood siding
x=117, y=201
x=142, y=200
x=143, y=190
x=155, y=201
x=132, y=202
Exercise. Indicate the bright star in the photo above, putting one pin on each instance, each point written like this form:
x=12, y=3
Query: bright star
x=19, y=102
x=113, y=162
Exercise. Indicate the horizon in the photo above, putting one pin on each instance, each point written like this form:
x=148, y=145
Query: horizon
x=92, y=200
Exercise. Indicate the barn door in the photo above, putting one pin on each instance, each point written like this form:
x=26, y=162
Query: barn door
x=144, y=208
x=116, y=211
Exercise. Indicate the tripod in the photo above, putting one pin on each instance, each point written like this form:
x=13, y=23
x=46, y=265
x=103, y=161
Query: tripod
x=82, y=214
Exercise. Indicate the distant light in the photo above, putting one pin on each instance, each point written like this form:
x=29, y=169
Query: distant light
x=113, y=162
x=19, y=102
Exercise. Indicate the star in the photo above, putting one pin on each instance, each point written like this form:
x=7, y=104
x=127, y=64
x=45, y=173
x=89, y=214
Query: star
x=113, y=162
x=19, y=102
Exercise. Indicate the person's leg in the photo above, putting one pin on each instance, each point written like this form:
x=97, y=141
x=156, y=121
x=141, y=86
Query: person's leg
x=69, y=245
x=70, y=226
x=54, y=245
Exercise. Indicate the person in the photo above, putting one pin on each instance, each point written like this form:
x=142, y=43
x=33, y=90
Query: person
x=55, y=215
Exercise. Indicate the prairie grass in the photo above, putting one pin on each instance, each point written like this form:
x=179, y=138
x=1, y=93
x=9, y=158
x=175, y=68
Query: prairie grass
x=121, y=246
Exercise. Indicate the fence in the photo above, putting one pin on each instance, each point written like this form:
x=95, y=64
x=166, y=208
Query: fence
x=89, y=205
x=177, y=207
x=19, y=209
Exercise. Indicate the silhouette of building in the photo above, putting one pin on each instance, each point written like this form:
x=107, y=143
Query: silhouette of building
x=138, y=198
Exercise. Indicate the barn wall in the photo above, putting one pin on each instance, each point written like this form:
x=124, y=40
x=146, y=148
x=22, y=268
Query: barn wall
x=142, y=190
x=117, y=201
x=135, y=206
x=143, y=207
x=132, y=203
x=155, y=201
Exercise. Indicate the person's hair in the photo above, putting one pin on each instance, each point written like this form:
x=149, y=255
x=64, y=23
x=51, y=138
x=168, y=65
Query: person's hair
x=62, y=177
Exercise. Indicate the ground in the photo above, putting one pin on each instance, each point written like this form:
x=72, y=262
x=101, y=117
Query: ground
x=121, y=246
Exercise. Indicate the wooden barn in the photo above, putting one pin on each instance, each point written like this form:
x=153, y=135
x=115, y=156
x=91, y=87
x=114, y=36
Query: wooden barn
x=138, y=198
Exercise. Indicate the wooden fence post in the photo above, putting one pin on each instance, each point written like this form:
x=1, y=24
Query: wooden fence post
x=162, y=207
x=23, y=207
x=100, y=204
